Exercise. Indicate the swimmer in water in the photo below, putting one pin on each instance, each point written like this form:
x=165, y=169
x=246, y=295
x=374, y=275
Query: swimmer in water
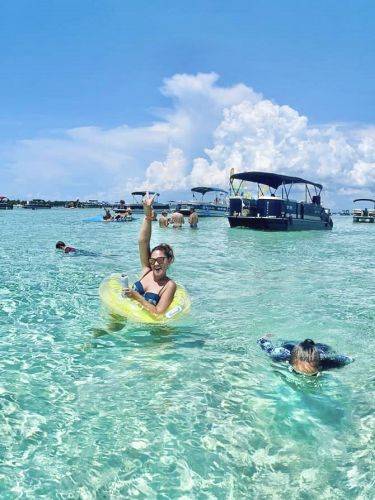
x=307, y=357
x=60, y=245
x=193, y=219
x=107, y=216
x=155, y=290
x=163, y=219
x=177, y=219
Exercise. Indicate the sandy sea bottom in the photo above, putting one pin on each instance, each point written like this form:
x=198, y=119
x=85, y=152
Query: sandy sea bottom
x=195, y=410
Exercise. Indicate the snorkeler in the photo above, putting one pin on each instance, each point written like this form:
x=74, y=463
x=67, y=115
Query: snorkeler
x=60, y=245
x=305, y=357
x=154, y=291
x=193, y=218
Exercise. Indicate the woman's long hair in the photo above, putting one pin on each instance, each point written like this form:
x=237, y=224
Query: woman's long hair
x=306, y=353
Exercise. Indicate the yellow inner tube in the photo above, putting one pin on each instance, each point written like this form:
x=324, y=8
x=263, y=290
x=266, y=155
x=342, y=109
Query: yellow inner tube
x=110, y=293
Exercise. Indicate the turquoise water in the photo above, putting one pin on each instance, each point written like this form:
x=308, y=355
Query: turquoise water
x=197, y=411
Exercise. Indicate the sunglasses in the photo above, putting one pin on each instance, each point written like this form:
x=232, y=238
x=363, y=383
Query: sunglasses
x=159, y=260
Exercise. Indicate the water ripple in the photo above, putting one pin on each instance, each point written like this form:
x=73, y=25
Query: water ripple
x=93, y=409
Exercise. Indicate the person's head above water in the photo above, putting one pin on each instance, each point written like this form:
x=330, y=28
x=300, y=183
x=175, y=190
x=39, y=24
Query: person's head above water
x=305, y=358
x=60, y=245
x=160, y=259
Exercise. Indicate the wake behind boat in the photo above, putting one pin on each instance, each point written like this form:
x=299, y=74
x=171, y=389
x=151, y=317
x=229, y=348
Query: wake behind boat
x=276, y=212
x=216, y=208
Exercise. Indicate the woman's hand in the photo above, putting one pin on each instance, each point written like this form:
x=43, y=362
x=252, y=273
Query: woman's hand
x=147, y=204
x=130, y=293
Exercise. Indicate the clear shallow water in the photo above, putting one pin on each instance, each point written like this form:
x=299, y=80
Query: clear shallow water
x=198, y=411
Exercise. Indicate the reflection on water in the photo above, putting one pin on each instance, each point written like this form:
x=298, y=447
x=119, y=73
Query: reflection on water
x=94, y=407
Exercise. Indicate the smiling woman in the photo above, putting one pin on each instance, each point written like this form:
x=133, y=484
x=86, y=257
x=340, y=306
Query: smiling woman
x=154, y=291
x=155, y=298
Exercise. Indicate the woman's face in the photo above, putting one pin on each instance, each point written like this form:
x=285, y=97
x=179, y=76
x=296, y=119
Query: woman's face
x=159, y=263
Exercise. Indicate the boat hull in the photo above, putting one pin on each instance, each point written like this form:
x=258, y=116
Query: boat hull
x=364, y=219
x=137, y=208
x=205, y=213
x=278, y=224
x=202, y=209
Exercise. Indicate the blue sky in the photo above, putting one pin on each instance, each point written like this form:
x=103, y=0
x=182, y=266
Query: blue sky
x=70, y=64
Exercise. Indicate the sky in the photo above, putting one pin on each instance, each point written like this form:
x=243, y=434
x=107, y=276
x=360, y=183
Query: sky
x=102, y=97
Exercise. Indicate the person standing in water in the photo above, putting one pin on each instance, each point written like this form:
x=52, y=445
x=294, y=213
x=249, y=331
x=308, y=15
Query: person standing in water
x=193, y=219
x=177, y=219
x=163, y=220
x=155, y=290
x=307, y=357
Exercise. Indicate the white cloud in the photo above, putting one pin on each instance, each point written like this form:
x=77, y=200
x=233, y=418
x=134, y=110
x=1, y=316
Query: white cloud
x=208, y=130
x=171, y=174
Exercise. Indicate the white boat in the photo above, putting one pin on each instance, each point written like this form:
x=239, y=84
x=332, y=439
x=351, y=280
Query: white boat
x=365, y=214
x=216, y=208
x=37, y=204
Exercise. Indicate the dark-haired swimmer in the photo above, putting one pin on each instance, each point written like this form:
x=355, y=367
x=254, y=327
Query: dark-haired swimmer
x=107, y=215
x=60, y=245
x=154, y=291
x=305, y=357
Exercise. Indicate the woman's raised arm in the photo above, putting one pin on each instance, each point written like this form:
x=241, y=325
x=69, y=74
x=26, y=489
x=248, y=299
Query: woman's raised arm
x=145, y=233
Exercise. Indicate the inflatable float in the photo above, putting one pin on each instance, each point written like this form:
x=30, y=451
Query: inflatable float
x=110, y=293
x=99, y=218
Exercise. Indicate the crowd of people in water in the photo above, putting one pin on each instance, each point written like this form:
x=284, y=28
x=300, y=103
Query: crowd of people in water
x=177, y=219
x=155, y=292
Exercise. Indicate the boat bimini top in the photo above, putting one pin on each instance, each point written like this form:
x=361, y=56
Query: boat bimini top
x=143, y=193
x=205, y=190
x=274, y=181
x=365, y=199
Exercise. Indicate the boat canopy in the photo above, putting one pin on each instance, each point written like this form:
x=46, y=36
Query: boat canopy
x=204, y=190
x=143, y=193
x=272, y=180
x=364, y=199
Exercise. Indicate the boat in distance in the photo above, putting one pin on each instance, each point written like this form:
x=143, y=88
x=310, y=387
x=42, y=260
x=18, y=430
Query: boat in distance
x=216, y=208
x=5, y=204
x=364, y=215
x=137, y=205
x=37, y=204
x=275, y=211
